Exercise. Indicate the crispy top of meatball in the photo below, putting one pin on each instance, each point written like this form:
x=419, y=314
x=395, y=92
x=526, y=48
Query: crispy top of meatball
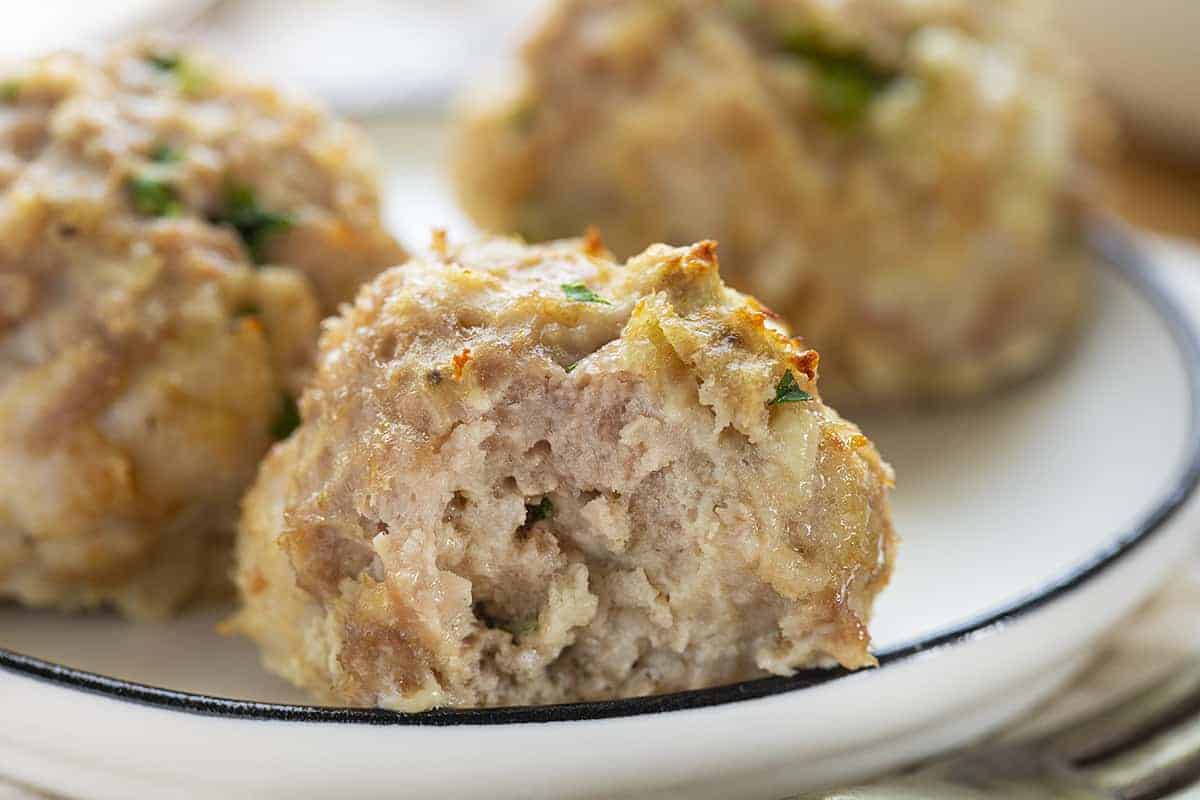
x=564, y=303
x=531, y=474
x=151, y=130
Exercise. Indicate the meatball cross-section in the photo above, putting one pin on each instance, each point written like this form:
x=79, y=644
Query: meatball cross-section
x=529, y=474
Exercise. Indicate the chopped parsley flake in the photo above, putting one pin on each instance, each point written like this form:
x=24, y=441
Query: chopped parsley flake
x=252, y=222
x=845, y=82
x=788, y=391
x=844, y=93
x=164, y=62
x=165, y=154
x=569, y=368
x=192, y=79
x=9, y=91
x=287, y=419
x=543, y=510
x=582, y=294
x=153, y=197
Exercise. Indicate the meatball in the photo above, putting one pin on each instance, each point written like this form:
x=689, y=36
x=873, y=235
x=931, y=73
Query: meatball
x=169, y=239
x=898, y=179
x=533, y=475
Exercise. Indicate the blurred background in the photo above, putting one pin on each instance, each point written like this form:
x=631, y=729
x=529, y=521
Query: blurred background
x=385, y=59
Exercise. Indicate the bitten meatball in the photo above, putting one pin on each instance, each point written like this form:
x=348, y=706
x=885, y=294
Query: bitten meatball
x=897, y=179
x=533, y=475
x=169, y=238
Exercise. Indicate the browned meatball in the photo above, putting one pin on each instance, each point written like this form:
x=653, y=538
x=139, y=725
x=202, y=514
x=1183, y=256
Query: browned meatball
x=169, y=237
x=897, y=179
x=533, y=475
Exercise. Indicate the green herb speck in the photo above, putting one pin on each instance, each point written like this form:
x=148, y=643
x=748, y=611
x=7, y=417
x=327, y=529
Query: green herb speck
x=164, y=62
x=569, y=368
x=844, y=93
x=845, y=82
x=165, y=154
x=153, y=197
x=582, y=294
x=287, y=419
x=254, y=224
x=788, y=391
x=9, y=91
x=192, y=78
x=543, y=510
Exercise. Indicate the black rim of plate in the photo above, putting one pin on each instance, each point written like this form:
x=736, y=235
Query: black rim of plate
x=1107, y=240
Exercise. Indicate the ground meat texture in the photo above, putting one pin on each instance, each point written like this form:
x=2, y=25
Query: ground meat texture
x=146, y=361
x=528, y=474
x=899, y=180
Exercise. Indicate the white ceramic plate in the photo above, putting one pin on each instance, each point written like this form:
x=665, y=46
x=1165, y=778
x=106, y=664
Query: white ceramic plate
x=1031, y=523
